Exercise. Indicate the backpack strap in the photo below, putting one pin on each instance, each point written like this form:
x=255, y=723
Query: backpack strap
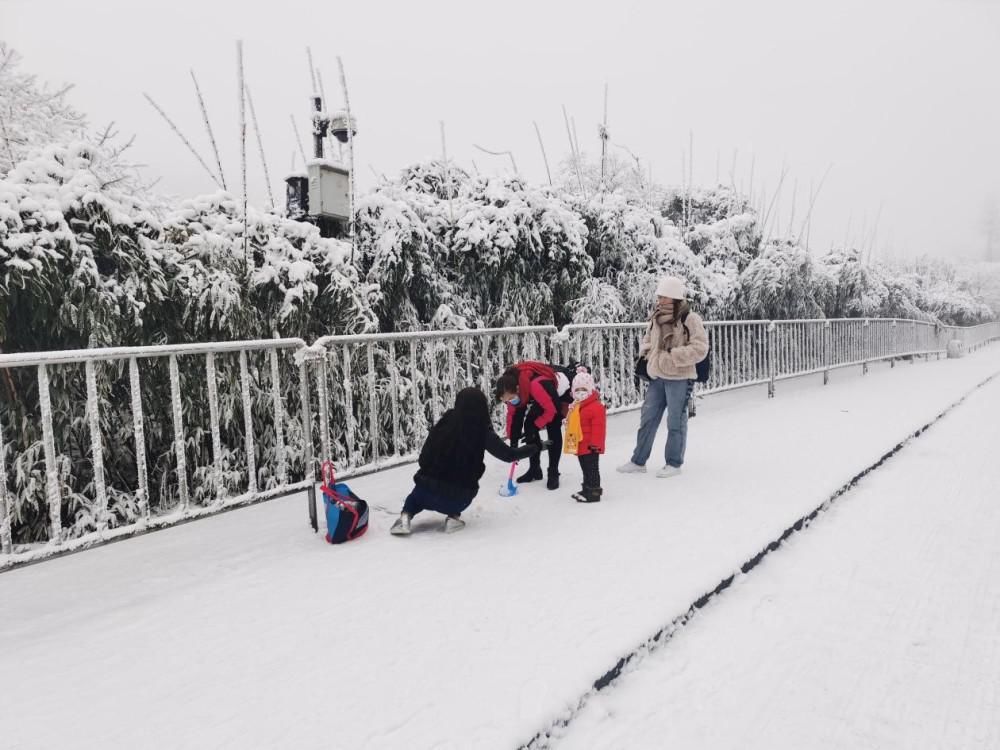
x=328, y=474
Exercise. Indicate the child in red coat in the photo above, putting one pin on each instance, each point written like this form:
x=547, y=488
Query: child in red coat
x=586, y=426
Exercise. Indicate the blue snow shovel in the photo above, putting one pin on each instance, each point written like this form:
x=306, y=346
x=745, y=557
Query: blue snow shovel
x=509, y=489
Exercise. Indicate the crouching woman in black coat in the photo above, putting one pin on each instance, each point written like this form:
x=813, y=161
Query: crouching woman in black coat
x=451, y=462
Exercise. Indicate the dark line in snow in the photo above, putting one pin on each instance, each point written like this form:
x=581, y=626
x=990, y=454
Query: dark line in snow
x=543, y=739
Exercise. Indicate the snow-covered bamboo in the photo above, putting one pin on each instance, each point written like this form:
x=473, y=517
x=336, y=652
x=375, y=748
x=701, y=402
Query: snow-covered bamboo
x=260, y=147
x=499, y=153
x=208, y=128
x=298, y=140
x=573, y=152
x=184, y=140
x=243, y=148
x=447, y=175
x=545, y=158
x=350, y=146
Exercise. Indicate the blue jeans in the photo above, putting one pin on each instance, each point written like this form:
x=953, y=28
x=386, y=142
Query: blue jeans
x=672, y=396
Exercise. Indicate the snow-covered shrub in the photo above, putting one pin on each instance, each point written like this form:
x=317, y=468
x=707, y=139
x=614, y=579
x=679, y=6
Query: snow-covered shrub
x=777, y=285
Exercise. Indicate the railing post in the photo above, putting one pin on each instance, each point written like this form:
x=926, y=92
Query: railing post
x=6, y=545
x=248, y=438
x=373, y=421
x=279, y=418
x=139, y=435
x=96, y=446
x=307, y=434
x=827, y=348
x=895, y=345
x=178, y=414
x=52, y=492
x=771, y=328
x=866, y=333
x=213, y=418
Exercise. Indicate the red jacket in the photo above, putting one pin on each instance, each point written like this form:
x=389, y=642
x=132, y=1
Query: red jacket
x=529, y=389
x=593, y=422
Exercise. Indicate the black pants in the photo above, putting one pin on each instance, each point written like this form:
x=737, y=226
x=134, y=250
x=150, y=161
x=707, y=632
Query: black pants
x=590, y=464
x=422, y=498
x=524, y=424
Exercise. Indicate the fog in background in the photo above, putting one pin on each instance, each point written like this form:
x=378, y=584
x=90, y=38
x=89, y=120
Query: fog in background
x=901, y=97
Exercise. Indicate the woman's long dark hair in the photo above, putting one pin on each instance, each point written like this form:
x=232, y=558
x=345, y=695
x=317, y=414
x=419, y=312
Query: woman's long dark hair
x=508, y=382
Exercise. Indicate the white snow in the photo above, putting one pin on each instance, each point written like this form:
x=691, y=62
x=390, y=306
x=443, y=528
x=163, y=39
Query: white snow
x=248, y=631
x=876, y=628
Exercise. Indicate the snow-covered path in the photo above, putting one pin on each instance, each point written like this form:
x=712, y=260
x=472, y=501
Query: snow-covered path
x=879, y=627
x=247, y=631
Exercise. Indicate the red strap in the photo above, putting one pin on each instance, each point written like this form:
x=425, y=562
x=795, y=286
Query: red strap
x=328, y=474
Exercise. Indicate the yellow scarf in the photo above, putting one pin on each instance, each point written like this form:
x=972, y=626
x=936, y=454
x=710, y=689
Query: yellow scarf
x=574, y=431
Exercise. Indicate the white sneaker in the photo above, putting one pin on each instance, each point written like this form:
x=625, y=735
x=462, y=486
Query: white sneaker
x=402, y=525
x=668, y=471
x=452, y=524
x=631, y=468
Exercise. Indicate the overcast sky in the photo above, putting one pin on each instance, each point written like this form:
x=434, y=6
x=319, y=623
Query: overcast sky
x=901, y=97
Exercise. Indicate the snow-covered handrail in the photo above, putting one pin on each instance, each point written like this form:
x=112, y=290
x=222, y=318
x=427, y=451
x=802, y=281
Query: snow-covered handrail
x=108, y=354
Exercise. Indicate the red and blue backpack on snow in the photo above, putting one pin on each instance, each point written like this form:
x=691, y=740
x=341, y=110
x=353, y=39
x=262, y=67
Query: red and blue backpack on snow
x=346, y=513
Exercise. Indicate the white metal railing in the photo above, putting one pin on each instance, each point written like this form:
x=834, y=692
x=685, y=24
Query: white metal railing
x=378, y=394
x=155, y=382
x=748, y=353
x=194, y=429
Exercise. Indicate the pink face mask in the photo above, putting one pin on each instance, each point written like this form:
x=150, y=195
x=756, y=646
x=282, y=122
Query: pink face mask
x=580, y=394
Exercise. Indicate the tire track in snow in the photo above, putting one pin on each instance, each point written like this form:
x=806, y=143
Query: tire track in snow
x=543, y=739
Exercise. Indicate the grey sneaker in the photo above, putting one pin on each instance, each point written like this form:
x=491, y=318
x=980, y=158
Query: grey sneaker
x=631, y=468
x=453, y=524
x=668, y=471
x=402, y=525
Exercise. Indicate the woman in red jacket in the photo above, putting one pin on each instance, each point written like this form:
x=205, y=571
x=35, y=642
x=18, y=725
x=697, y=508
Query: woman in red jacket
x=586, y=427
x=529, y=391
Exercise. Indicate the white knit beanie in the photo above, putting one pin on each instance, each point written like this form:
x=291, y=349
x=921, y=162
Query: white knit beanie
x=671, y=286
x=583, y=380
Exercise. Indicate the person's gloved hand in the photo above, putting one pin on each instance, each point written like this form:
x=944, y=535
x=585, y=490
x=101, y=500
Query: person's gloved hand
x=533, y=438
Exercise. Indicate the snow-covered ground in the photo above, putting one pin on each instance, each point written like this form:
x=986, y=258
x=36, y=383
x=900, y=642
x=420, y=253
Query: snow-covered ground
x=247, y=631
x=876, y=628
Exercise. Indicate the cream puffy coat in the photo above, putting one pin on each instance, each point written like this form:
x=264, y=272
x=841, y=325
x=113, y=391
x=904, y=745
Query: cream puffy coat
x=677, y=363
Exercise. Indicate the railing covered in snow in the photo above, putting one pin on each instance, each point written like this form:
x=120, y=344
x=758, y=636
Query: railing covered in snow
x=144, y=437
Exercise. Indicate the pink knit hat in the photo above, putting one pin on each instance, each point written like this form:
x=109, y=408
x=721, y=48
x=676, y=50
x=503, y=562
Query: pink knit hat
x=585, y=381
